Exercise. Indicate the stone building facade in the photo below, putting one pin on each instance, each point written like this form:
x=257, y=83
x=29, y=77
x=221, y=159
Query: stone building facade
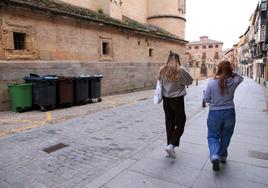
x=230, y=54
x=55, y=37
x=253, y=46
x=164, y=13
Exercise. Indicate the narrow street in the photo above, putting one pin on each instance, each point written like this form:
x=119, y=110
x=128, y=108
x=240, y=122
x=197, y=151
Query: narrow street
x=123, y=146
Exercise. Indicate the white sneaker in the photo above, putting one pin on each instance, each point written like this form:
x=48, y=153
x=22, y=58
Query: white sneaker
x=170, y=151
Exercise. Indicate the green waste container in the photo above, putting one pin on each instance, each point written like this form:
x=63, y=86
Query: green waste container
x=20, y=97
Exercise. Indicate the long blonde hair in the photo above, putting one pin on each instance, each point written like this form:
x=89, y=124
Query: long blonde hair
x=171, y=70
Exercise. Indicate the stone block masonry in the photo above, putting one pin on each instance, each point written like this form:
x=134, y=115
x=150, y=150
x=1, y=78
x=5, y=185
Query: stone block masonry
x=52, y=37
x=117, y=77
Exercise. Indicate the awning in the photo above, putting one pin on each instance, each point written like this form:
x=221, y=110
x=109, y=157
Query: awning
x=260, y=61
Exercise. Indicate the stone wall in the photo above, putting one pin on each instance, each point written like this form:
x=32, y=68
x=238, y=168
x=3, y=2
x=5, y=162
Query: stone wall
x=67, y=46
x=64, y=38
x=117, y=77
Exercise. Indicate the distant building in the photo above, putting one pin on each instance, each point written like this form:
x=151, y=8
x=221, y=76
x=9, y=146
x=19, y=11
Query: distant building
x=230, y=55
x=253, y=46
x=205, y=53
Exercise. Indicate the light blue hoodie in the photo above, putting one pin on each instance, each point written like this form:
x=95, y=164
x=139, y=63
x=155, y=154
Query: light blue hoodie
x=215, y=99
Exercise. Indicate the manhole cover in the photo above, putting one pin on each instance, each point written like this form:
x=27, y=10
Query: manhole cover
x=55, y=147
x=258, y=155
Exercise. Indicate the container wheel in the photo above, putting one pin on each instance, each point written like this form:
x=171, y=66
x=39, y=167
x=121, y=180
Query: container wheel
x=43, y=108
x=19, y=109
x=99, y=99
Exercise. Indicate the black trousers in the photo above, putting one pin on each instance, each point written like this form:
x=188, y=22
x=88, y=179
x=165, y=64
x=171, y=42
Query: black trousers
x=175, y=119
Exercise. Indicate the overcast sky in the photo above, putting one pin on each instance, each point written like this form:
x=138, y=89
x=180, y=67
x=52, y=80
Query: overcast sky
x=221, y=20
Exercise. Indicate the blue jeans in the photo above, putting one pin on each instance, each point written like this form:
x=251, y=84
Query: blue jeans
x=220, y=130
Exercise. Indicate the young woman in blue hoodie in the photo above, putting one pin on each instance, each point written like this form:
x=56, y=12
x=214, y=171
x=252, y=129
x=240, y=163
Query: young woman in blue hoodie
x=221, y=118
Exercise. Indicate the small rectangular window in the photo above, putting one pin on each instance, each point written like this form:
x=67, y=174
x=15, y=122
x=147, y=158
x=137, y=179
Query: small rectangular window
x=204, y=56
x=105, y=48
x=196, y=47
x=216, y=46
x=19, y=41
x=210, y=46
x=150, y=52
x=216, y=55
x=204, y=47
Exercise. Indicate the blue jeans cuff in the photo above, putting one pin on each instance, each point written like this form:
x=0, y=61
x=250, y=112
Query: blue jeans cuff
x=214, y=157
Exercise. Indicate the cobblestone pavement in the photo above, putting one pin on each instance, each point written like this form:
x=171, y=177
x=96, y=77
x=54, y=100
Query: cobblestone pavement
x=122, y=146
x=11, y=122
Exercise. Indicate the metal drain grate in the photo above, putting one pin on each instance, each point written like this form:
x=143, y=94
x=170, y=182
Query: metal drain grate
x=258, y=155
x=55, y=147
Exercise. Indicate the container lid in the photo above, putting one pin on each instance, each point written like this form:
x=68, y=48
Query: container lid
x=33, y=75
x=19, y=85
x=50, y=78
x=98, y=75
x=66, y=77
x=84, y=76
x=33, y=78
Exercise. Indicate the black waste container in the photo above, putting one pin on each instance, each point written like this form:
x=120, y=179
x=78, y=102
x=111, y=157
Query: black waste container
x=80, y=85
x=44, y=91
x=94, y=88
x=65, y=91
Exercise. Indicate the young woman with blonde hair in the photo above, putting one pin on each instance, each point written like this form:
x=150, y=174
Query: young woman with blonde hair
x=174, y=78
x=221, y=118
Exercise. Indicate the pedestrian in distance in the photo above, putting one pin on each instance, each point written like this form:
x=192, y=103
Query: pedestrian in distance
x=174, y=78
x=221, y=117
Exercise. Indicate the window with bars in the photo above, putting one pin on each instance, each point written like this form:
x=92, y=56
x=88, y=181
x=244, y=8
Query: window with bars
x=263, y=33
x=263, y=6
x=105, y=48
x=150, y=52
x=19, y=41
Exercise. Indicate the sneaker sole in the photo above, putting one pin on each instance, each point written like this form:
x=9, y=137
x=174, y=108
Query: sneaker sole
x=171, y=154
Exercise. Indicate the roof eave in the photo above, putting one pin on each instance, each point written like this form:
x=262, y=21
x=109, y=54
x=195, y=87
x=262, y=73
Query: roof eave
x=69, y=14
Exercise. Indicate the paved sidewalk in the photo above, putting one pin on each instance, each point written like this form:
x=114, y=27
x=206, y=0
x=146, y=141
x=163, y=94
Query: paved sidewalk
x=123, y=147
x=247, y=164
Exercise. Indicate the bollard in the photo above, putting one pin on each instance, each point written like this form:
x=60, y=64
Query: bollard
x=203, y=102
x=196, y=82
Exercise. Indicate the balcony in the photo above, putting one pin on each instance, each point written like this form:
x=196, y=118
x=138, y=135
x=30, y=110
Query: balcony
x=263, y=6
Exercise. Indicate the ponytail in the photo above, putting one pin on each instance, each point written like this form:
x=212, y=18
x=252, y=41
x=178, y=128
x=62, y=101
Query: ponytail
x=224, y=70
